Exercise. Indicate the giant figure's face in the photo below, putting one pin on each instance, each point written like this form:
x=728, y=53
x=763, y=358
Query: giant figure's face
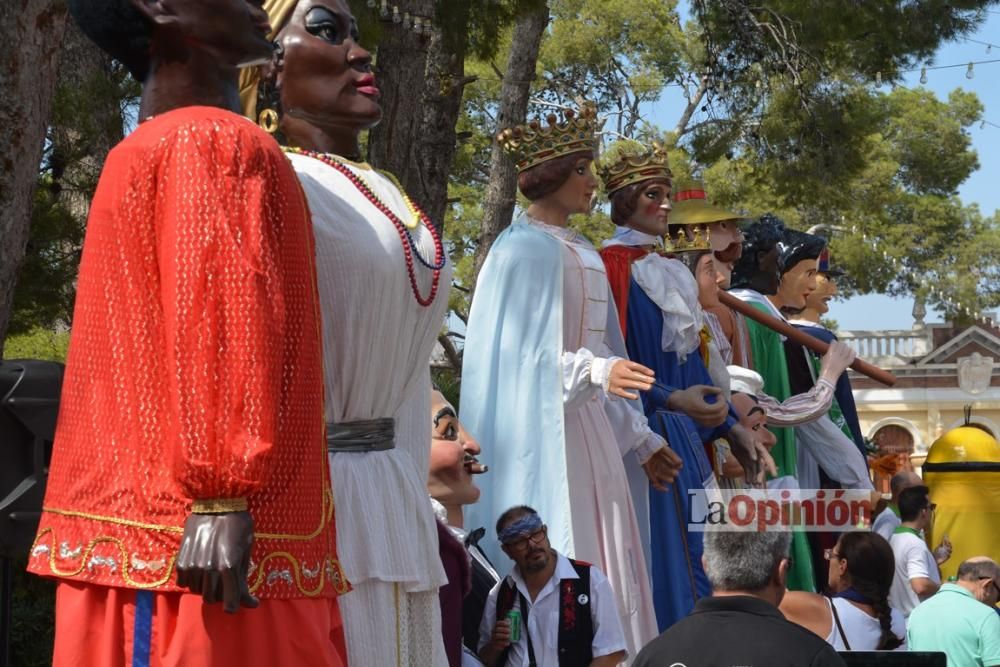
x=797, y=284
x=753, y=418
x=652, y=208
x=234, y=32
x=325, y=76
x=826, y=289
x=575, y=194
x=727, y=245
x=453, y=456
x=708, y=281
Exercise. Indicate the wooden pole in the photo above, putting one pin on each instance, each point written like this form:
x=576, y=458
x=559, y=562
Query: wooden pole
x=802, y=338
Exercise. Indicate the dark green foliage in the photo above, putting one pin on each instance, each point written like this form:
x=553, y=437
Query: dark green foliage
x=744, y=40
x=33, y=618
x=473, y=27
x=449, y=382
x=47, y=286
x=796, y=76
x=86, y=121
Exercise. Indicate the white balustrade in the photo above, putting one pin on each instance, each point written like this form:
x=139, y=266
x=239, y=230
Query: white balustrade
x=901, y=345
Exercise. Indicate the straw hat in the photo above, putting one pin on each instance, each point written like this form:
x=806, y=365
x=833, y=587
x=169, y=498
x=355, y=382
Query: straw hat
x=689, y=206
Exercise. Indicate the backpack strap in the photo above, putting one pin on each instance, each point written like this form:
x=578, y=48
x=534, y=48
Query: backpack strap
x=576, y=621
x=505, y=597
x=505, y=602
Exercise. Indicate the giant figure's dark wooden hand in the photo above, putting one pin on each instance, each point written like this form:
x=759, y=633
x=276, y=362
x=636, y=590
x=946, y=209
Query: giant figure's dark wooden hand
x=214, y=559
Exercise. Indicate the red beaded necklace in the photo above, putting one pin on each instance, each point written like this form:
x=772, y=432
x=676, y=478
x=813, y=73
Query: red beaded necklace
x=405, y=238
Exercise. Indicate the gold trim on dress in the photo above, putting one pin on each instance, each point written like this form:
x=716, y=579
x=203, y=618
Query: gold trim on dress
x=85, y=556
x=219, y=505
x=337, y=579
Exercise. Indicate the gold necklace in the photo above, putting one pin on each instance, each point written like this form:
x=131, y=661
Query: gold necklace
x=415, y=214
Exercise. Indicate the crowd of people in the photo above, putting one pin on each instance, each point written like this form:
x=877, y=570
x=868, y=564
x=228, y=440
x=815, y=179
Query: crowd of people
x=248, y=415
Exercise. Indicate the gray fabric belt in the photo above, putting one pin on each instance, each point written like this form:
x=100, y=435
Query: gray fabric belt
x=370, y=435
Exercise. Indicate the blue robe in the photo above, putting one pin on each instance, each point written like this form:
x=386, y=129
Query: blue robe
x=678, y=576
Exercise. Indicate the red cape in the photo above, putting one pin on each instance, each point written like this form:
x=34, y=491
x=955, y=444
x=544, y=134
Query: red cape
x=618, y=264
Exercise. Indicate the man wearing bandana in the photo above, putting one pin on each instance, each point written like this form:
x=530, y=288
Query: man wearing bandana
x=548, y=589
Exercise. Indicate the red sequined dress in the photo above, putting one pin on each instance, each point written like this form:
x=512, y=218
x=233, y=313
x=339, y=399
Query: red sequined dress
x=194, y=368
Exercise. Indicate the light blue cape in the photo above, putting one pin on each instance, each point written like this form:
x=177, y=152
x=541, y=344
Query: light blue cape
x=512, y=398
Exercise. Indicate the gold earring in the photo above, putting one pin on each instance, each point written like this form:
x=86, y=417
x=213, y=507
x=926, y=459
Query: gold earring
x=268, y=120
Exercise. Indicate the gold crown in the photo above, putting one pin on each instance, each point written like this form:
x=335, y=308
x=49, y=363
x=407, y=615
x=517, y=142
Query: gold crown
x=626, y=162
x=701, y=239
x=533, y=143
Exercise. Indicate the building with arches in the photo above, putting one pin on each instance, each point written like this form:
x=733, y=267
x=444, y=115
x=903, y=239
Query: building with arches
x=941, y=368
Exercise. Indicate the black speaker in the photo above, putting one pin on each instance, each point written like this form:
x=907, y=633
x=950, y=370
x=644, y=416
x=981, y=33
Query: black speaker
x=29, y=405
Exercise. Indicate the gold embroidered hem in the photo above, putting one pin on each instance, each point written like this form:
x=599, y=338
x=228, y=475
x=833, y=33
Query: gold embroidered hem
x=106, y=561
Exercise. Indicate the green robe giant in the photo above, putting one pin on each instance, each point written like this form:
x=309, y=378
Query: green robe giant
x=769, y=360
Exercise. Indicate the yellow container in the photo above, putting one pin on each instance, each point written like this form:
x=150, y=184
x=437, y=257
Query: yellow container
x=963, y=473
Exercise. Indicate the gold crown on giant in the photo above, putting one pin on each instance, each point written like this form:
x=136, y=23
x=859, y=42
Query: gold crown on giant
x=533, y=143
x=700, y=239
x=627, y=162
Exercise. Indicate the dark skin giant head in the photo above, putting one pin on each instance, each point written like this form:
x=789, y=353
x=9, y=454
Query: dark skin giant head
x=195, y=48
x=328, y=91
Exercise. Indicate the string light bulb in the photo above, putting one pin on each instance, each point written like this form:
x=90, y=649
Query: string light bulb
x=969, y=73
x=923, y=75
x=878, y=78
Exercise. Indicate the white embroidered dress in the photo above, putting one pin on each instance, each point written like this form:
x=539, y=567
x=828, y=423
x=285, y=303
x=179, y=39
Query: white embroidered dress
x=376, y=344
x=600, y=430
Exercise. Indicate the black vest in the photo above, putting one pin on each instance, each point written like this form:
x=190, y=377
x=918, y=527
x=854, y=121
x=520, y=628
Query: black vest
x=576, y=624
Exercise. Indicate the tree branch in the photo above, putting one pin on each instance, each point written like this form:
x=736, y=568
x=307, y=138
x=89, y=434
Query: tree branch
x=692, y=106
x=451, y=352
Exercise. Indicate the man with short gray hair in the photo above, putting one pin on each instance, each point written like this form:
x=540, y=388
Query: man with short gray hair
x=747, y=570
x=961, y=618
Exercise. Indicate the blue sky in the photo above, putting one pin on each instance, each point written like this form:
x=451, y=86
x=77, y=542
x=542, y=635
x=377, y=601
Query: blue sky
x=876, y=311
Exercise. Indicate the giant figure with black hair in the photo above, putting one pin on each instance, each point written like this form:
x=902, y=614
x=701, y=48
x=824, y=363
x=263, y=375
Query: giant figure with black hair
x=756, y=278
x=803, y=365
x=778, y=270
x=383, y=277
x=823, y=438
x=189, y=465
